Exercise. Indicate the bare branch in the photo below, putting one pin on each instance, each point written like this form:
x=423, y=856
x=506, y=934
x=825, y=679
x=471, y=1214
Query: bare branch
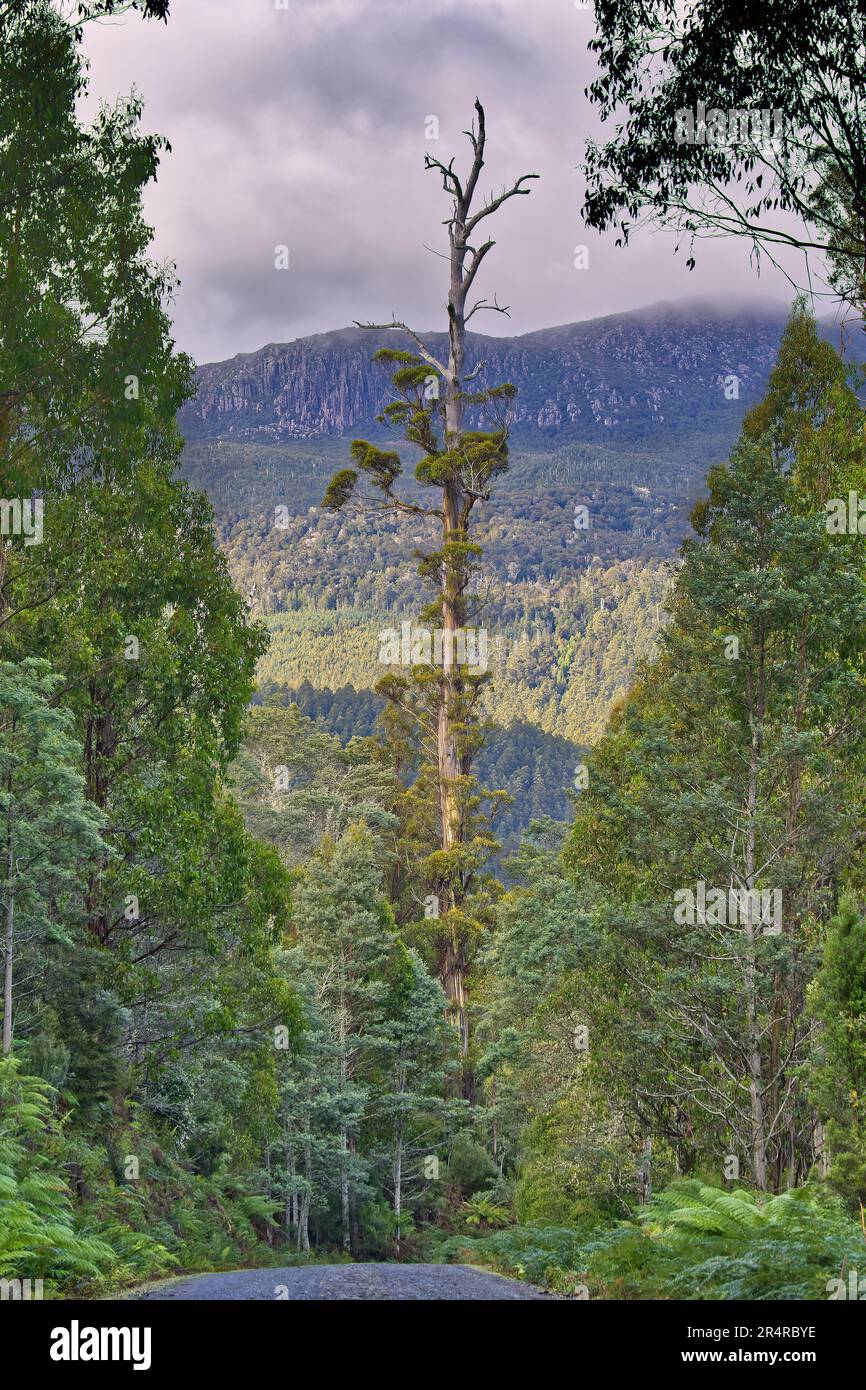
x=514, y=192
x=495, y=308
x=423, y=351
x=477, y=258
x=448, y=176
x=478, y=142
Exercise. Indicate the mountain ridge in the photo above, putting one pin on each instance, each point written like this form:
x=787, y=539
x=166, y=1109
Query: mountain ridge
x=657, y=376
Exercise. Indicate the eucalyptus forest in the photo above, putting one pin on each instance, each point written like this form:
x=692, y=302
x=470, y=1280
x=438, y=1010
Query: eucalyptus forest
x=415, y=852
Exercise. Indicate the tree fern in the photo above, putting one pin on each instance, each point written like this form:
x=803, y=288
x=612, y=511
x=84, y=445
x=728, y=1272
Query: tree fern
x=37, y=1234
x=692, y=1206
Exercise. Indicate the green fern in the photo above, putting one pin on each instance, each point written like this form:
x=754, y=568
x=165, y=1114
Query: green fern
x=38, y=1238
x=690, y=1207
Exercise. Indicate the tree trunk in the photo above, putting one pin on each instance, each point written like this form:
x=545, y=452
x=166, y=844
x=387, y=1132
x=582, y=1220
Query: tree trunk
x=756, y=1080
x=398, y=1182
x=645, y=1178
x=461, y=488
x=819, y=1146
x=354, y=1227
x=756, y=1074
x=289, y=1161
x=304, y=1216
x=100, y=744
x=344, y=1135
x=786, y=1031
x=4, y=606
x=7, y=959
x=454, y=984
x=450, y=685
x=344, y=1189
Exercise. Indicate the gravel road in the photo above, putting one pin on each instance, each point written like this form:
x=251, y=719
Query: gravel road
x=358, y=1281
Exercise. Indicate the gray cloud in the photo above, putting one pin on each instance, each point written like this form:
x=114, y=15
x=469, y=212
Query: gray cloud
x=305, y=127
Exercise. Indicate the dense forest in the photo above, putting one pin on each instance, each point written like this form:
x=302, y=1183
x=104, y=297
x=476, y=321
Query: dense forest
x=553, y=963
x=570, y=608
x=538, y=770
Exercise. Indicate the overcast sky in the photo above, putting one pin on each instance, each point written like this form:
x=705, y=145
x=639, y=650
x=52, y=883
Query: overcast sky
x=305, y=127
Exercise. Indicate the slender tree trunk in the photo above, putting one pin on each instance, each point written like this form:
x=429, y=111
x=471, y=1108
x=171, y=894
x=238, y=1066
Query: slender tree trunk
x=6, y=421
x=461, y=488
x=645, y=1176
x=304, y=1219
x=450, y=684
x=819, y=1146
x=269, y=1234
x=344, y=1136
x=756, y=1077
x=398, y=1181
x=793, y=1152
x=344, y=1189
x=7, y=958
x=289, y=1159
x=788, y=1003
x=354, y=1228
x=756, y=1074
x=99, y=747
x=4, y=606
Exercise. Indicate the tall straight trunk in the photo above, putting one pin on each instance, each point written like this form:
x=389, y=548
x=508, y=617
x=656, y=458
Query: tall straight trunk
x=756, y=1075
x=344, y=1189
x=100, y=744
x=450, y=684
x=269, y=1233
x=786, y=1030
x=645, y=1173
x=4, y=606
x=290, y=1212
x=7, y=424
x=819, y=1146
x=306, y=1197
x=793, y=1154
x=753, y=1039
x=398, y=1180
x=303, y=1235
x=344, y=1135
x=354, y=1226
x=7, y=955
x=462, y=486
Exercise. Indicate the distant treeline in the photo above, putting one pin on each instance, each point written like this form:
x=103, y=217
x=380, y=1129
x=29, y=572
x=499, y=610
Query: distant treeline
x=535, y=768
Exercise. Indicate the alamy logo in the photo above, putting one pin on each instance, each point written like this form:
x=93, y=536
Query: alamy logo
x=419, y=647
x=22, y=517
x=846, y=518
x=77, y=1343
x=20, y=1290
x=726, y=129
x=720, y=907
x=854, y=1290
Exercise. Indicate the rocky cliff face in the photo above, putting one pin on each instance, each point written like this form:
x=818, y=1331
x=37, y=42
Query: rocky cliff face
x=621, y=379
